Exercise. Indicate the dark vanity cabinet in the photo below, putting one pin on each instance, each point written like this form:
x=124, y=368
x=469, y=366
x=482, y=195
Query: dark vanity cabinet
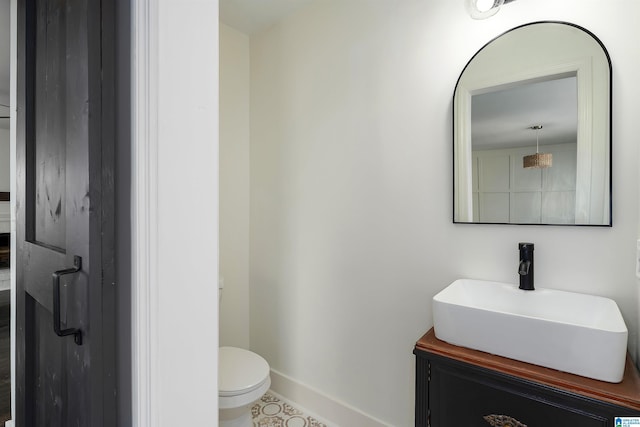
x=460, y=387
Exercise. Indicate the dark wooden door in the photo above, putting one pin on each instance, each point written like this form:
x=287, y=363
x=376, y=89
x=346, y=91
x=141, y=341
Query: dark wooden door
x=65, y=215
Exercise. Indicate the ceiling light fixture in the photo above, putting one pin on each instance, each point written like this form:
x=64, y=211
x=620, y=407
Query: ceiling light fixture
x=483, y=9
x=538, y=160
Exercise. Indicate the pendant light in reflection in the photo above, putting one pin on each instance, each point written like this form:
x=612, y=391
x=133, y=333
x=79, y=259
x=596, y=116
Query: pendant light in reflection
x=538, y=160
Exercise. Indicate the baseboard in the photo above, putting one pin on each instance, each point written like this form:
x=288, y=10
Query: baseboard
x=8, y=423
x=329, y=408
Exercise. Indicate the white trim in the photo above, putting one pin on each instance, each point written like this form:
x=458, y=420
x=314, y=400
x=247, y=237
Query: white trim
x=144, y=202
x=174, y=244
x=335, y=411
x=306, y=411
x=13, y=73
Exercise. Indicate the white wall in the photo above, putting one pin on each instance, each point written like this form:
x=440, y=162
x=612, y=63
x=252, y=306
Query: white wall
x=234, y=186
x=4, y=160
x=351, y=204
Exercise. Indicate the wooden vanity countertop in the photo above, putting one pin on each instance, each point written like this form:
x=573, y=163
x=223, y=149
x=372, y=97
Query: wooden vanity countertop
x=625, y=393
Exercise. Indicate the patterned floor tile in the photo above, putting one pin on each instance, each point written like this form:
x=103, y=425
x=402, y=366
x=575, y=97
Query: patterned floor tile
x=271, y=411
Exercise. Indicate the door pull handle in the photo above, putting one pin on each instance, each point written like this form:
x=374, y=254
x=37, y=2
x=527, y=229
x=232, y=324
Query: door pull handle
x=77, y=333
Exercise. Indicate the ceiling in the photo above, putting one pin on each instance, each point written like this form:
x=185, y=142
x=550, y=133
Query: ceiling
x=502, y=118
x=253, y=16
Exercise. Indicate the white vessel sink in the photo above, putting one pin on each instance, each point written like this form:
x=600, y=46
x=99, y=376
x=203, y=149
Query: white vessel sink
x=577, y=333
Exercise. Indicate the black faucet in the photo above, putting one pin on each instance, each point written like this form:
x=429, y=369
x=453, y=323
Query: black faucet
x=525, y=269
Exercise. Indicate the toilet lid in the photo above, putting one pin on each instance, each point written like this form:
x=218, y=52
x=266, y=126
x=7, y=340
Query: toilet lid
x=241, y=371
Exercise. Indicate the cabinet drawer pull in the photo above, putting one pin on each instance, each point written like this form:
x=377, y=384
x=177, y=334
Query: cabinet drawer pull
x=503, y=421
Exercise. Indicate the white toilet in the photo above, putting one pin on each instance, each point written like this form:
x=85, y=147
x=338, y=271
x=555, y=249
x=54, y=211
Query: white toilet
x=243, y=377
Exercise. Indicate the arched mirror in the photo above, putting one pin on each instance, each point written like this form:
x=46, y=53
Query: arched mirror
x=532, y=129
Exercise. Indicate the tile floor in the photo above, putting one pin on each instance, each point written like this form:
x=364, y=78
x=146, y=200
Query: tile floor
x=274, y=411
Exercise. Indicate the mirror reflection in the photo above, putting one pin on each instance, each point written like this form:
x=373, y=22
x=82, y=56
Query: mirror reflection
x=532, y=129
